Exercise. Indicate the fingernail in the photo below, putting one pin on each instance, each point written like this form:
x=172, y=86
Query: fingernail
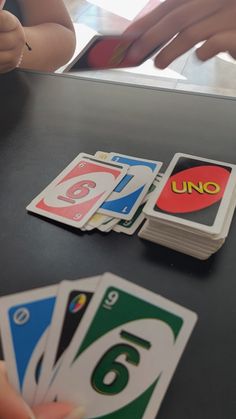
x=78, y=413
x=161, y=66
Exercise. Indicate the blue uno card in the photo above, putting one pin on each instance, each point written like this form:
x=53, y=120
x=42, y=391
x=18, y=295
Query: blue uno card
x=129, y=193
x=24, y=321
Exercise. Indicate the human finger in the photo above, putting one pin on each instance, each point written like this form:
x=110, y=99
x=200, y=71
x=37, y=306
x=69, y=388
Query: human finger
x=201, y=31
x=221, y=42
x=9, y=60
x=8, y=41
x=58, y=411
x=2, y=2
x=11, y=404
x=8, y=22
x=175, y=22
x=141, y=25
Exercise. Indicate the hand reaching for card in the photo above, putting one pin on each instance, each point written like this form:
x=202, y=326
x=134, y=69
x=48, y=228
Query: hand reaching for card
x=182, y=24
x=12, y=406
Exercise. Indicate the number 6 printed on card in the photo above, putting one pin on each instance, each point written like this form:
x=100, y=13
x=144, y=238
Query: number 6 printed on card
x=124, y=354
x=76, y=194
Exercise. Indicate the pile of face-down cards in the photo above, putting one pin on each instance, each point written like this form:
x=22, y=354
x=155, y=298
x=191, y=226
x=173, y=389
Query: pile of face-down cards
x=106, y=191
x=102, y=343
x=193, y=208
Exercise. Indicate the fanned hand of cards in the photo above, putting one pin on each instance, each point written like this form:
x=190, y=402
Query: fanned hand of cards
x=106, y=191
x=102, y=343
x=192, y=210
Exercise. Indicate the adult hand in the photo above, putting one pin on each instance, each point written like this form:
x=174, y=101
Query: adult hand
x=183, y=24
x=12, y=41
x=12, y=406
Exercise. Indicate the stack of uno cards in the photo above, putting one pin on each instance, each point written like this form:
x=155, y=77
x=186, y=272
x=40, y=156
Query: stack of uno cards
x=101, y=342
x=106, y=191
x=192, y=209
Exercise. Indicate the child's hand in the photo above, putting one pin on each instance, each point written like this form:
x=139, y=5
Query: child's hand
x=12, y=41
x=182, y=24
x=12, y=405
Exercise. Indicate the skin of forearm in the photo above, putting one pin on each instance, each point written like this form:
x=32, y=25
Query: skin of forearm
x=52, y=45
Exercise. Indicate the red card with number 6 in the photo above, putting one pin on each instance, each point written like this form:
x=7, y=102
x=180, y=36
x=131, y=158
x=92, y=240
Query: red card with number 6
x=76, y=194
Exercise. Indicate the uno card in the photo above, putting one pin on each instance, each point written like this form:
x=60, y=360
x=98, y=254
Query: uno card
x=129, y=193
x=96, y=220
x=75, y=195
x=73, y=299
x=108, y=51
x=24, y=321
x=127, y=348
x=194, y=252
x=195, y=193
x=127, y=226
x=130, y=226
x=108, y=225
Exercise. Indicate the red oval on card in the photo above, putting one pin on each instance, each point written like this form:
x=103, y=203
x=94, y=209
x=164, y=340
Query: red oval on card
x=193, y=189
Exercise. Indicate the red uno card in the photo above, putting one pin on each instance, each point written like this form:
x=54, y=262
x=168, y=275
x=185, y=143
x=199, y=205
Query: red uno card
x=76, y=194
x=107, y=51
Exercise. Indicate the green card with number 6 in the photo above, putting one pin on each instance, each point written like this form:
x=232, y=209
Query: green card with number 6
x=124, y=353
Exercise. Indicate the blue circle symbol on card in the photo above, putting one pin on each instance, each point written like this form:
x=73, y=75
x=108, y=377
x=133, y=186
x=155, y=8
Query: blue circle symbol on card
x=77, y=303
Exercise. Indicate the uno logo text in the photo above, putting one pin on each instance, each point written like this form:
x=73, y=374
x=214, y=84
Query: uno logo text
x=211, y=188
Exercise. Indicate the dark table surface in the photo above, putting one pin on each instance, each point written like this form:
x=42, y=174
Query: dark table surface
x=46, y=120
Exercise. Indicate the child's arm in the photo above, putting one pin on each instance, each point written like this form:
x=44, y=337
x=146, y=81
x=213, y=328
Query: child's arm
x=49, y=32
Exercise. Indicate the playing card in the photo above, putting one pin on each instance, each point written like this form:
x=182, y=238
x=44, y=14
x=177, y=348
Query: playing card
x=108, y=225
x=96, y=220
x=195, y=193
x=129, y=193
x=130, y=226
x=196, y=252
x=184, y=238
x=126, y=350
x=73, y=299
x=127, y=226
x=107, y=51
x=75, y=195
x=24, y=323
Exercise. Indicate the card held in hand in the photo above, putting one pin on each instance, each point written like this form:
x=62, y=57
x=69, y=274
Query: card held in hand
x=122, y=359
x=25, y=319
x=73, y=299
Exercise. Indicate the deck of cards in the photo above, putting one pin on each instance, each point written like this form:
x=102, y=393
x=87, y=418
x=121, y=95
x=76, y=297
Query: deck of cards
x=106, y=191
x=102, y=343
x=193, y=207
